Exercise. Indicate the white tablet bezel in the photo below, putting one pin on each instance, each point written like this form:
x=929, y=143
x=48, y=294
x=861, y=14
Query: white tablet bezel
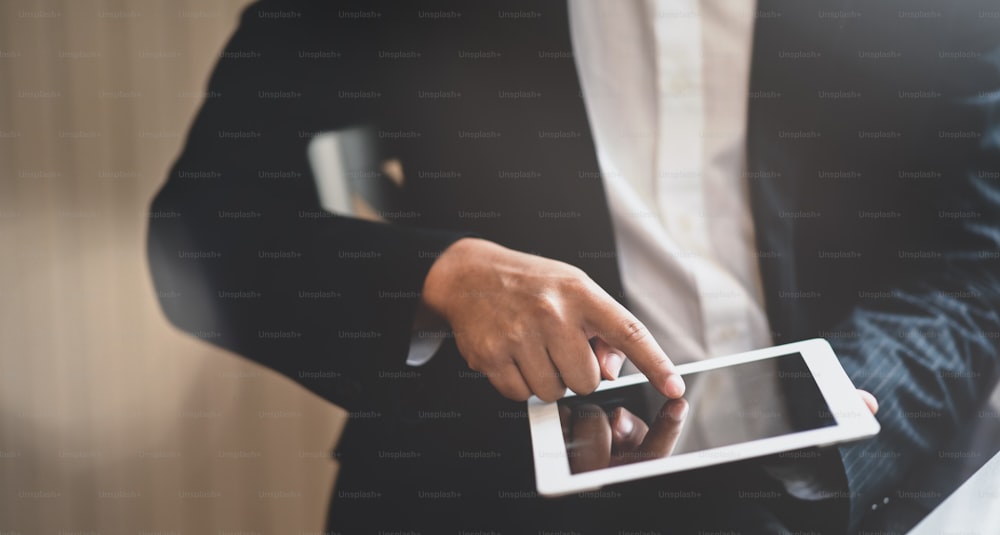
x=852, y=421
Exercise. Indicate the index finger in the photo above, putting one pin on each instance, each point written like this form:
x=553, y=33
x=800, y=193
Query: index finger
x=609, y=320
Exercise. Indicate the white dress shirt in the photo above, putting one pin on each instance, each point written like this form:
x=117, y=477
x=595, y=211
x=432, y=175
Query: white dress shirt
x=665, y=85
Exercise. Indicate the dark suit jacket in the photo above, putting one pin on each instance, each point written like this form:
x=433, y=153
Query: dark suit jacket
x=874, y=174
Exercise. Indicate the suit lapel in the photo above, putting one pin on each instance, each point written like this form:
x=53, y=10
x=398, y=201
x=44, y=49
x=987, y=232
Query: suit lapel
x=792, y=51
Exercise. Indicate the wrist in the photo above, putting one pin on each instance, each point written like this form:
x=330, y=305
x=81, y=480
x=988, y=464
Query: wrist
x=444, y=273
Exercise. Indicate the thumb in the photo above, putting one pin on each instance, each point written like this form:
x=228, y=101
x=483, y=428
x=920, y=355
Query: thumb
x=608, y=358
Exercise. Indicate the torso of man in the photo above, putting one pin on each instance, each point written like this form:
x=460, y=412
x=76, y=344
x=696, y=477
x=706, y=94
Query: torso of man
x=665, y=86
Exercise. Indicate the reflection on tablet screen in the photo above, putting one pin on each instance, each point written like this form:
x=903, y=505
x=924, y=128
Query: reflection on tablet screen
x=724, y=406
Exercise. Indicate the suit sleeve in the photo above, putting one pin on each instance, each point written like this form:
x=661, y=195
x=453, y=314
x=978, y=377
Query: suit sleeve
x=240, y=252
x=929, y=352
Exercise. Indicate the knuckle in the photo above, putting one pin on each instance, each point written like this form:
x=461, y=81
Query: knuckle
x=547, y=306
x=633, y=331
x=491, y=349
x=576, y=284
x=574, y=273
x=484, y=363
x=523, y=331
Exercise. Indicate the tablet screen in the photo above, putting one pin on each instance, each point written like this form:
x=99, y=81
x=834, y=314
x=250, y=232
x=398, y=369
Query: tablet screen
x=722, y=406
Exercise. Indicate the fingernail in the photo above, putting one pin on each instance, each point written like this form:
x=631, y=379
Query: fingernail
x=675, y=386
x=614, y=363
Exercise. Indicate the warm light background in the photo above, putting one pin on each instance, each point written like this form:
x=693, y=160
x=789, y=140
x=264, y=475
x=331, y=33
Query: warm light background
x=107, y=414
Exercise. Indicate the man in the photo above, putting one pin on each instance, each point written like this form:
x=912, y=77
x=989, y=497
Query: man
x=871, y=176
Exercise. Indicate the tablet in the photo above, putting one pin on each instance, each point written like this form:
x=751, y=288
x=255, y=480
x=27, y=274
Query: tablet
x=752, y=404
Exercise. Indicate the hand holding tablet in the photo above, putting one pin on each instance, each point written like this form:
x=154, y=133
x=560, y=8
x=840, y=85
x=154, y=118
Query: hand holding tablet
x=740, y=406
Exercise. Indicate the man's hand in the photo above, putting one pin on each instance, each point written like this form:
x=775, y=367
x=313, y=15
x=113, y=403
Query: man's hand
x=526, y=323
x=869, y=400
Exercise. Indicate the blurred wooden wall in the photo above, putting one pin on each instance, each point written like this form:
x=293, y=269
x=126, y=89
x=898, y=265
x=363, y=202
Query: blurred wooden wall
x=111, y=421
